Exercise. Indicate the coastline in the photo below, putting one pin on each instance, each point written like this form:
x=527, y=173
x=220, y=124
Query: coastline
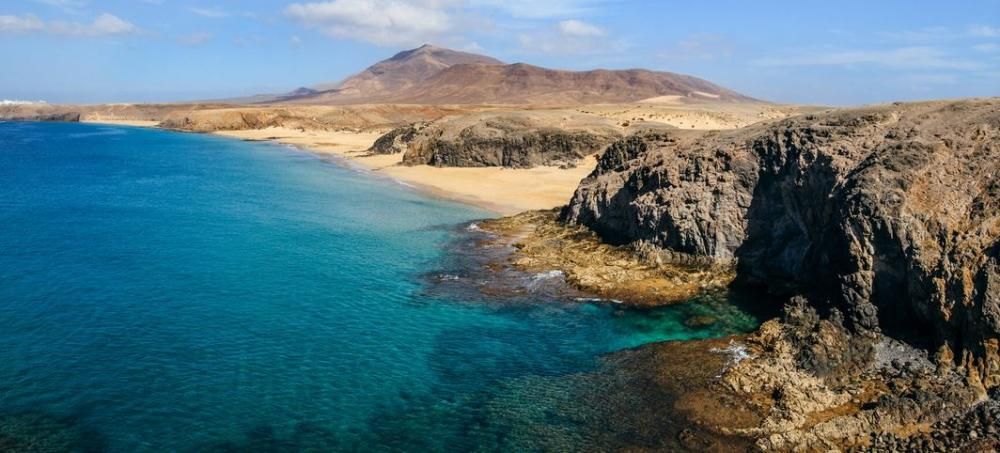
x=503, y=191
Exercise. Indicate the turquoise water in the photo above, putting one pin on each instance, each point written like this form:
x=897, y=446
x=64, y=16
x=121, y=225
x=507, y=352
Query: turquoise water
x=167, y=291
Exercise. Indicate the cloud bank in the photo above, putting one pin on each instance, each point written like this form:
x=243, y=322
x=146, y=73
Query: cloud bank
x=103, y=25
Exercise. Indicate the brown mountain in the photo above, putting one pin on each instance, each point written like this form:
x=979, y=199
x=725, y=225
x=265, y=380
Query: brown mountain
x=398, y=74
x=433, y=75
x=526, y=84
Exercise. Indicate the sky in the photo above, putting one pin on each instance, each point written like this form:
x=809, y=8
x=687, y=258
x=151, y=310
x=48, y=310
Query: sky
x=808, y=52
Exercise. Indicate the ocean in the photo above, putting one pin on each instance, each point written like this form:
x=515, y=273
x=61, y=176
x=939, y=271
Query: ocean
x=164, y=291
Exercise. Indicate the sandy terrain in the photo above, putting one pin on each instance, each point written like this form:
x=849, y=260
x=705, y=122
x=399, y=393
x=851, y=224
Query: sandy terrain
x=504, y=191
x=347, y=132
x=673, y=110
x=501, y=190
x=137, y=123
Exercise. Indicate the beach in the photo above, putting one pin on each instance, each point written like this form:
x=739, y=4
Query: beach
x=501, y=190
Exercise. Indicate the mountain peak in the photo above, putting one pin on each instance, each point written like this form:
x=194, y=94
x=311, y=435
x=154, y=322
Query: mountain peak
x=445, y=56
x=431, y=74
x=404, y=70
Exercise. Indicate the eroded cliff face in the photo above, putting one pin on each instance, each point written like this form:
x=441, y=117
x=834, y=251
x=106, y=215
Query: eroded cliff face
x=507, y=139
x=36, y=113
x=397, y=140
x=886, y=216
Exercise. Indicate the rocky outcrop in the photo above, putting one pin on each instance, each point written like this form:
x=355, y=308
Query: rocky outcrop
x=636, y=276
x=501, y=139
x=887, y=216
x=397, y=140
x=303, y=118
x=495, y=145
x=816, y=386
x=56, y=116
x=237, y=120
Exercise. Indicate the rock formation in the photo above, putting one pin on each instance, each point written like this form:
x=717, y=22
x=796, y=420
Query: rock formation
x=509, y=139
x=37, y=113
x=397, y=140
x=886, y=215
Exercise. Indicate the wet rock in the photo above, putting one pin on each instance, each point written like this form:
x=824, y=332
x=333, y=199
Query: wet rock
x=699, y=321
x=541, y=245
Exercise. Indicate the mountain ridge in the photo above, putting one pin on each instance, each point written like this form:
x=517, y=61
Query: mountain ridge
x=436, y=75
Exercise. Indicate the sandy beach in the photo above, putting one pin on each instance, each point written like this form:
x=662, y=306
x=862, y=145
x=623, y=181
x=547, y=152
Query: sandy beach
x=332, y=131
x=136, y=123
x=501, y=190
x=504, y=191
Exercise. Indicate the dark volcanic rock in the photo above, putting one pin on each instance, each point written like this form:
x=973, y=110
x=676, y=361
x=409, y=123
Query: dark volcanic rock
x=886, y=214
x=509, y=148
x=68, y=117
x=512, y=139
x=397, y=140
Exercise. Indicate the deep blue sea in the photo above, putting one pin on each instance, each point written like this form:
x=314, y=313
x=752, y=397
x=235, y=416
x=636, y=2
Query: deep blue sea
x=163, y=291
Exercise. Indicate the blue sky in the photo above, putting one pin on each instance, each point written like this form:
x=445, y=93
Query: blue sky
x=834, y=53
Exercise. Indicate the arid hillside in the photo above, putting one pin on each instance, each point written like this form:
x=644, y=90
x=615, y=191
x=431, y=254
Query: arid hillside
x=434, y=75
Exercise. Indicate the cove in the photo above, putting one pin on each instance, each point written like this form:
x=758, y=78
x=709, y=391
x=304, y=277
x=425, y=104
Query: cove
x=163, y=291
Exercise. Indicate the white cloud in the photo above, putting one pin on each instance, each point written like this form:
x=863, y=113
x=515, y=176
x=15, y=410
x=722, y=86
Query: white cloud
x=900, y=58
x=381, y=22
x=103, y=25
x=701, y=46
x=195, y=39
x=20, y=24
x=926, y=35
x=987, y=48
x=295, y=41
x=578, y=28
x=984, y=31
x=214, y=13
x=570, y=37
x=473, y=47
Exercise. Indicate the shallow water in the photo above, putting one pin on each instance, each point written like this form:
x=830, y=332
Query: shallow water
x=167, y=291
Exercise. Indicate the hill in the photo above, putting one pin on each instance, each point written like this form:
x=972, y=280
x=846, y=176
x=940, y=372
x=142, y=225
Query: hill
x=434, y=75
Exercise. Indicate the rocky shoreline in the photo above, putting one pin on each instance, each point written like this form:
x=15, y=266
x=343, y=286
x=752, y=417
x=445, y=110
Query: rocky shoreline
x=875, y=232
x=801, y=382
x=875, y=229
x=634, y=276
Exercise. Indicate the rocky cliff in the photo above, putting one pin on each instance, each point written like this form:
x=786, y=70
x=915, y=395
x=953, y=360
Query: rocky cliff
x=886, y=217
x=37, y=112
x=507, y=139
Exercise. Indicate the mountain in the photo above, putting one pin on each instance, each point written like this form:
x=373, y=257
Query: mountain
x=267, y=98
x=434, y=75
x=526, y=84
x=400, y=73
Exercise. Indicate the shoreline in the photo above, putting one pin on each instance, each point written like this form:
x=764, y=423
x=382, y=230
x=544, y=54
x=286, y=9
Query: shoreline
x=502, y=191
